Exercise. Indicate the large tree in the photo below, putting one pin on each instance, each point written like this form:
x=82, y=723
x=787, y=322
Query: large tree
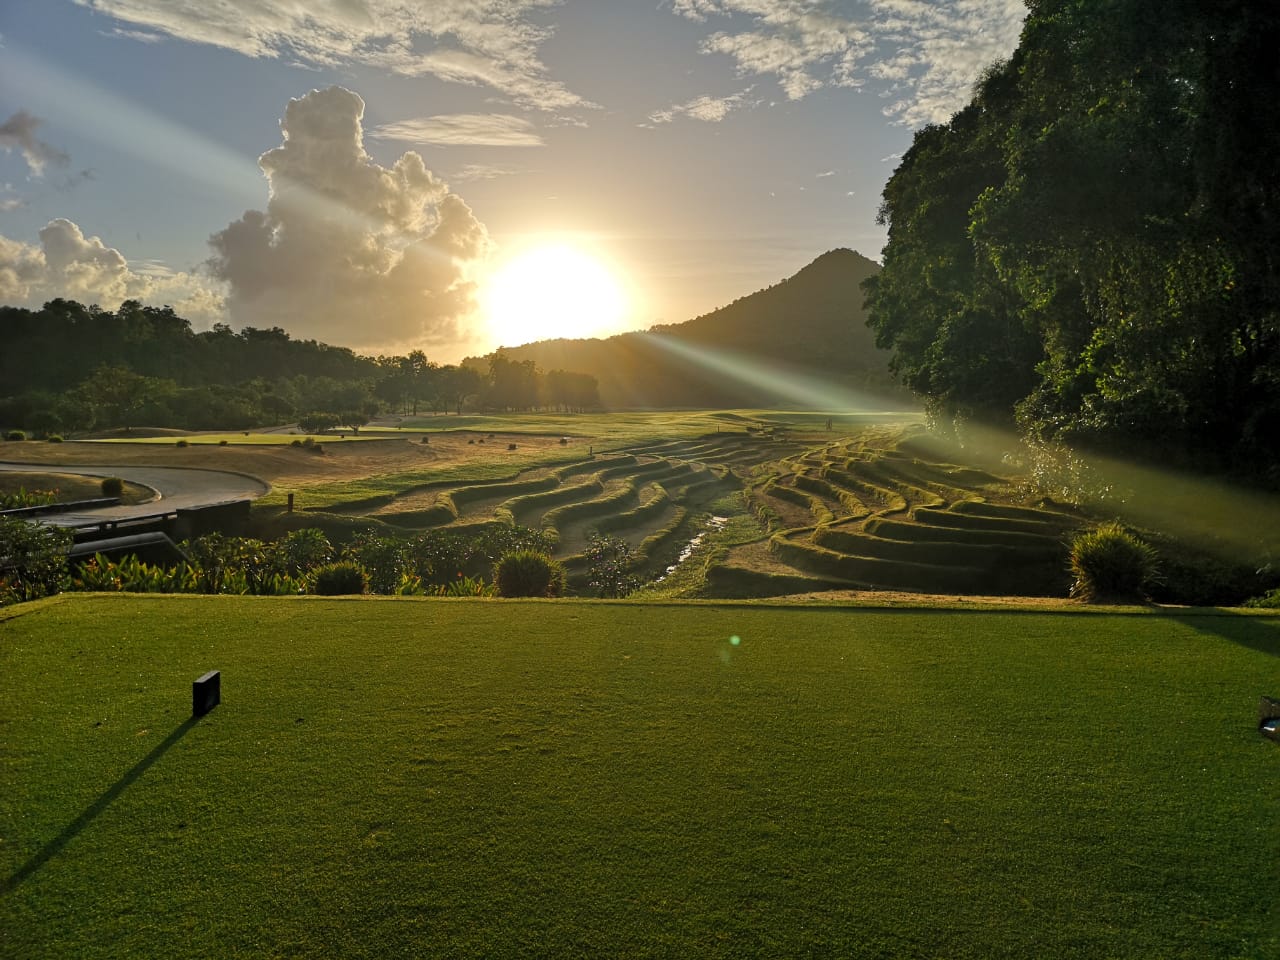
x=1092, y=243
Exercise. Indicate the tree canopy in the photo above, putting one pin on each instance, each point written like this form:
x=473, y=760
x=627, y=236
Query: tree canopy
x=1089, y=248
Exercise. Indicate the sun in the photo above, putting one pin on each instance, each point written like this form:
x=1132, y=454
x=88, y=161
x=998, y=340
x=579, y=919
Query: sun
x=550, y=291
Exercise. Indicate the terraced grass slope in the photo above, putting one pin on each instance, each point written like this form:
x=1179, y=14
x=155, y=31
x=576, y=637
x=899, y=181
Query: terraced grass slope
x=879, y=512
x=870, y=509
x=426, y=778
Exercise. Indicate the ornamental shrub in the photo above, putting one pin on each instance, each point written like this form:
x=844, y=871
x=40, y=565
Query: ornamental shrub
x=340, y=579
x=33, y=559
x=528, y=573
x=112, y=487
x=1110, y=564
x=608, y=561
x=15, y=435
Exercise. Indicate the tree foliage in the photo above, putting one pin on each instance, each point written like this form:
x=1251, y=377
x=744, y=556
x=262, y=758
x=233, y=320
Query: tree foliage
x=1089, y=247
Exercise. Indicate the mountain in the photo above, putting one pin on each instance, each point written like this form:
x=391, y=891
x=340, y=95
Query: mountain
x=784, y=345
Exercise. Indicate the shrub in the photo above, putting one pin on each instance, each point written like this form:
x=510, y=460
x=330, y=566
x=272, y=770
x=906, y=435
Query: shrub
x=299, y=552
x=33, y=559
x=15, y=435
x=183, y=443
x=222, y=443
x=1111, y=564
x=383, y=559
x=340, y=579
x=112, y=487
x=54, y=438
x=608, y=560
x=1268, y=601
x=528, y=573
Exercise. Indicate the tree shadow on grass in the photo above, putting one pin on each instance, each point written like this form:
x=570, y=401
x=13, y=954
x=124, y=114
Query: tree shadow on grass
x=1254, y=632
x=51, y=849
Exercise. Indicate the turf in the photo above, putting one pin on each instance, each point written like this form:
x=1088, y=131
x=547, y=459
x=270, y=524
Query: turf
x=504, y=779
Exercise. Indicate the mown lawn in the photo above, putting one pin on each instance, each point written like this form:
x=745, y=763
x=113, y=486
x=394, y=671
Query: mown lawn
x=392, y=778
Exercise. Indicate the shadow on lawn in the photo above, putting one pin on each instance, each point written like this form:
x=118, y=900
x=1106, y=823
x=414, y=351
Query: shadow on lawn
x=50, y=849
x=1257, y=633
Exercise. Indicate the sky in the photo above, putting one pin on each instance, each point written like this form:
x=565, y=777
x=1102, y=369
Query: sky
x=356, y=171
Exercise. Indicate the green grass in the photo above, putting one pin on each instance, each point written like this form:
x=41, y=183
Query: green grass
x=559, y=779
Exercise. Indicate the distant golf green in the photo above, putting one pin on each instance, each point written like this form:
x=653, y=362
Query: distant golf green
x=390, y=778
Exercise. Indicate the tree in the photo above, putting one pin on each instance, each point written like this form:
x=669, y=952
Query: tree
x=118, y=394
x=1090, y=244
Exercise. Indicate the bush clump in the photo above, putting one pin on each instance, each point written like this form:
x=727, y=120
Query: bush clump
x=609, y=560
x=528, y=573
x=15, y=435
x=1110, y=564
x=53, y=438
x=1268, y=601
x=340, y=579
x=112, y=487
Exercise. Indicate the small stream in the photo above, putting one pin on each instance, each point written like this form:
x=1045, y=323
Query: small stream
x=713, y=523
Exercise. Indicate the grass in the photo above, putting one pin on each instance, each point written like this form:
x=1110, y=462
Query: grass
x=508, y=778
x=67, y=486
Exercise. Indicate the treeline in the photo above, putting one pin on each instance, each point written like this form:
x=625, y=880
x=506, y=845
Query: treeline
x=1090, y=247
x=68, y=368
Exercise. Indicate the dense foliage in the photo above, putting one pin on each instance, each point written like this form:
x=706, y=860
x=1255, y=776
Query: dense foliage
x=68, y=367
x=1090, y=246
x=33, y=560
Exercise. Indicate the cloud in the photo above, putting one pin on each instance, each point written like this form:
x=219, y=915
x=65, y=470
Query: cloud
x=704, y=108
x=943, y=49
x=19, y=133
x=481, y=171
x=68, y=264
x=491, y=43
x=463, y=129
x=349, y=251
x=927, y=53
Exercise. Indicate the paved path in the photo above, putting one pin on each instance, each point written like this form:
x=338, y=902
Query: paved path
x=176, y=488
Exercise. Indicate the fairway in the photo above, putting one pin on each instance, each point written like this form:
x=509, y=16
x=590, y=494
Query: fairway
x=390, y=778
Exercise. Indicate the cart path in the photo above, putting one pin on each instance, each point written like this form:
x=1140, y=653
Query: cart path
x=176, y=488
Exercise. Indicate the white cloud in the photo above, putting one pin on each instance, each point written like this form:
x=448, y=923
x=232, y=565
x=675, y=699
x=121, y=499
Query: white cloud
x=68, y=264
x=704, y=108
x=463, y=129
x=349, y=251
x=927, y=52
x=19, y=133
x=481, y=171
x=491, y=43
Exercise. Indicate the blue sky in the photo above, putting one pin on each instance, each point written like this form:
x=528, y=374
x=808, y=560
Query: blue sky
x=702, y=148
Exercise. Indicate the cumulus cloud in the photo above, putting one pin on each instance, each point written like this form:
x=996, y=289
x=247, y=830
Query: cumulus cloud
x=349, y=251
x=704, y=108
x=68, y=264
x=19, y=133
x=462, y=129
x=925, y=53
x=492, y=43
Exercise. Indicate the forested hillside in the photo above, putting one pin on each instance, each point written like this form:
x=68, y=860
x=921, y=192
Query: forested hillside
x=811, y=325
x=1090, y=248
